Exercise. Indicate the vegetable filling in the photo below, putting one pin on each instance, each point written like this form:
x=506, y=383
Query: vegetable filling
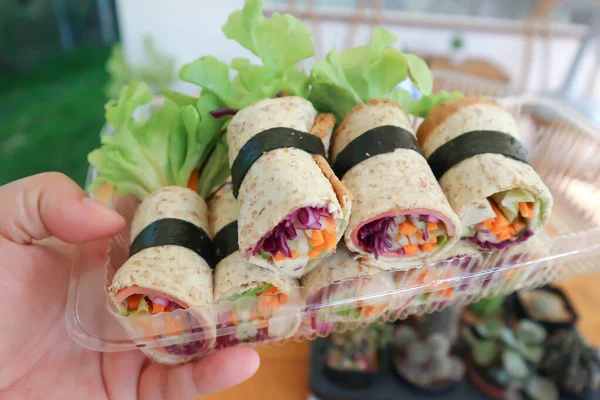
x=503, y=219
x=252, y=324
x=403, y=235
x=307, y=233
x=323, y=319
x=139, y=304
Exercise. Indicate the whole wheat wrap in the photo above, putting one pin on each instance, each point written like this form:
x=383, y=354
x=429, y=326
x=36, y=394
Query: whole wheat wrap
x=483, y=187
x=170, y=272
x=235, y=278
x=392, y=186
x=342, y=277
x=283, y=183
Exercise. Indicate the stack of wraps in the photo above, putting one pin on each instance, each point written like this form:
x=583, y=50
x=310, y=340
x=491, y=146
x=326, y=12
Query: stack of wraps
x=473, y=147
x=400, y=214
x=169, y=270
x=292, y=210
x=258, y=310
x=342, y=278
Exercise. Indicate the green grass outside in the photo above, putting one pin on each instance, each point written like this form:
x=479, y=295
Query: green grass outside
x=51, y=117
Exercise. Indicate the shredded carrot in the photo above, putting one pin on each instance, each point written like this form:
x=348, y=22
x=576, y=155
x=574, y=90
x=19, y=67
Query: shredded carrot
x=431, y=226
x=427, y=247
x=233, y=319
x=271, y=290
x=316, y=238
x=193, y=181
x=488, y=223
x=448, y=293
x=497, y=230
x=280, y=256
x=419, y=236
x=407, y=228
x=316, y=253
x=366, y=310
x=283, y=298
x=519, y=225
x=526, y=209
x=432, y=240
x=512, y=230
x=504, y=235
x=330, y=240
x=156, y=308
x=500, y=219
x=411, y=249
x=133, y=302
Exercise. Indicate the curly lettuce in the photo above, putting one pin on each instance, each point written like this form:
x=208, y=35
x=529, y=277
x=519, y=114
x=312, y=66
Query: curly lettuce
x=280, y=42
x=357, y=75
x=162, y=150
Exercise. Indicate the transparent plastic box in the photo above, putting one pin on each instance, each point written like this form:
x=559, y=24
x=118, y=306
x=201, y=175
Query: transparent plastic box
x=564, y=150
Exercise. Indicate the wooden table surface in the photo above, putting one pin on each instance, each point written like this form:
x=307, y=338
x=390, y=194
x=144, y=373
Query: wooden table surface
x=283, y=373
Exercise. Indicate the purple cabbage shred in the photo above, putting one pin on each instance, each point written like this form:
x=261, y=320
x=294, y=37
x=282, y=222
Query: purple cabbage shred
x=374, y=236
x=221, y=112
x=504, y=244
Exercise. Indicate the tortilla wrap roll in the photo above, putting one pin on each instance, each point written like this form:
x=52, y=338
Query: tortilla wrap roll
x=461, y=260
x=474, y=148
x=342, y=277
x=166, y=278
x=235, y=278
x=292, y=208
x=400, y=214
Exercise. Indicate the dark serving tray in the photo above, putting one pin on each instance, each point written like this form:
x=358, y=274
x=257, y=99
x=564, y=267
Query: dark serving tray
x=386, y=387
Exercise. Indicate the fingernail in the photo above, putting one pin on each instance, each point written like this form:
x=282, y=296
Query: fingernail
x=101, y=210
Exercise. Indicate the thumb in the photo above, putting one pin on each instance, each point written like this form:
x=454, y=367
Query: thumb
x=51, y=204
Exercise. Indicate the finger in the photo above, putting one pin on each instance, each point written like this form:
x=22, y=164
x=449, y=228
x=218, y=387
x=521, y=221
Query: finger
x=51, y=204
x=216, y=372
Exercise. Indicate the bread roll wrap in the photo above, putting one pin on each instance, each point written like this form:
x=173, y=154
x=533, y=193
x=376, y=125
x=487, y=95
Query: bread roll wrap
x=341, y=277
x=474, y=147
x=292, y=208
x=167, y=278
x=258, y=293
x=400, y=215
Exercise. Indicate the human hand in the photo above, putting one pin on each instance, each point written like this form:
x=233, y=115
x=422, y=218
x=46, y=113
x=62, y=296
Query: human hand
x=43, y=221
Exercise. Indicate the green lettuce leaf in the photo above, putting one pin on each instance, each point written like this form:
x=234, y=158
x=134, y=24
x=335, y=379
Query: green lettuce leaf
x=279, y=42
x=216, y=171
x=422, y=106
x=163, y=150
x=368, y=72
x=251, y=292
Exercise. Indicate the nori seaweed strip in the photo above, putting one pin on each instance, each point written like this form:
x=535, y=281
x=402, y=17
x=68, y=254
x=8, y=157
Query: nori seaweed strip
x=473, y=143
x=226, y=241
x=265, y=141
x=380, y=140
x=175, y=232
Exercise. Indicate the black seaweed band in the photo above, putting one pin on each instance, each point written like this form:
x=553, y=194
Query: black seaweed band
x=271, y=139
x=473, y=143
x=380, y=140
x=175, y=232
x=226, y=241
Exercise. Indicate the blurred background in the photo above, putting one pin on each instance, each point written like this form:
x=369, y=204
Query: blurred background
x=60, y=60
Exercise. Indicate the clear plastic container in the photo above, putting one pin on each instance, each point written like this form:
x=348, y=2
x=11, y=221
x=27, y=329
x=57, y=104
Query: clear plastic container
x=563, y=149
